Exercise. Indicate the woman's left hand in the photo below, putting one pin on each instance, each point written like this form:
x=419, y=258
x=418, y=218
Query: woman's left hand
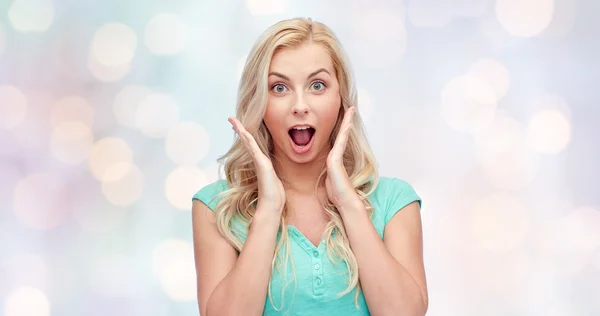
x=339, y=188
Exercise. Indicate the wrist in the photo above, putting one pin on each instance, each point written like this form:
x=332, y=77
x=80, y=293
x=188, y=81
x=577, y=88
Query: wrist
x=266, y=217
x=352, y=206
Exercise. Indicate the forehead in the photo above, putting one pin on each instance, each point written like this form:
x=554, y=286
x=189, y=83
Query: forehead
x=302, y=59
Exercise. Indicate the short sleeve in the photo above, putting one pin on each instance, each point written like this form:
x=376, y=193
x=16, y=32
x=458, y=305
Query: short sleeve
x=399, y=194
x=209, y=193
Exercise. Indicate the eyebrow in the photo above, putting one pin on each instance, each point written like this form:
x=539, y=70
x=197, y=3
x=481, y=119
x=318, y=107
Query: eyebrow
x=314, y=73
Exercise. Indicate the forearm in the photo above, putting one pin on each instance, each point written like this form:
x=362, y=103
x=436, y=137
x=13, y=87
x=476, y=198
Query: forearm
x=244, y=289
x=388, y=287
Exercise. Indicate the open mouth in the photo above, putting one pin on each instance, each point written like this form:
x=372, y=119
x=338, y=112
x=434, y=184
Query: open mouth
x=302, y=135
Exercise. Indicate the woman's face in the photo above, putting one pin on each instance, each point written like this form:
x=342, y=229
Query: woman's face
x=303, y=102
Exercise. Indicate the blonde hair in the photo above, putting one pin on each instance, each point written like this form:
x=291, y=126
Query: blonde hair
x=238, y=202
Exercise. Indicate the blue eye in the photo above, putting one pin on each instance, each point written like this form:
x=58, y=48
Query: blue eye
x=318, y=85
x=279, y=88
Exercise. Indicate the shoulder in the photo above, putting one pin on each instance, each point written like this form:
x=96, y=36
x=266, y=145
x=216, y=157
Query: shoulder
x=393, y=183
x=210, y=193
x=392, y=194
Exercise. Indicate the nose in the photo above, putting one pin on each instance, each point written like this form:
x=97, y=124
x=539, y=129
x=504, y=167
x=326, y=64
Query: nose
x=300, y=108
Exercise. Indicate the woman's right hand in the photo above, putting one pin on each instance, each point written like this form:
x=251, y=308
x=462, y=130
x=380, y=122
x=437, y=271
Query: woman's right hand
x=271, y=194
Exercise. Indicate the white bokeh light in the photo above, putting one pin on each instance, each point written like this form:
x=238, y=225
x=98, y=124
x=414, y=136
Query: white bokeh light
x=166, y=34
x=127, y=102
x=13, y=107
x=499, y=223
x=524, y=18
x=156, y=115
x=267, y=7
x=187, y=143
x=173, y=264
x=31, y=15
x=114, y=276
x=26, y=301
x=494, y=72
x=549, y=132
x=112, y=51
x=39, y=201
x=550, y=102
x=114, y=45
x=565, y=14
x=72, y=108
x=127, y=190
x=107, y=73
x=110, y=159
x=182, y=183
x=71, y=142
x=468, y=103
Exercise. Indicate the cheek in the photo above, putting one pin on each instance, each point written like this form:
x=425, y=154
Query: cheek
x=329, y=109
x=273, y=118
x=270, y=114
x=268, y=118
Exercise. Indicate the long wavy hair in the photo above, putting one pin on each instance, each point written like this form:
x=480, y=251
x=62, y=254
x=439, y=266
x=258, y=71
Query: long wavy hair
x=238, y=203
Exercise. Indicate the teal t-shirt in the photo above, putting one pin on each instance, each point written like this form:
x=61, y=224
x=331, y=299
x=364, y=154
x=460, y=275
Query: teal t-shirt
x=318, y=280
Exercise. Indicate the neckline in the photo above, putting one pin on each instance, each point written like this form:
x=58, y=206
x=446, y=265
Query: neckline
x=303, y=241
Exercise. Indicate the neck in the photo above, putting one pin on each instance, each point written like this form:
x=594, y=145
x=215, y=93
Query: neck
x=300, y=178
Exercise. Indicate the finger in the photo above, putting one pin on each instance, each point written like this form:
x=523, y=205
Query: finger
x=237, y=126
x=346, y=126
x=246, y=137
x=349, y=115
x=256, y=152
x=240, y=130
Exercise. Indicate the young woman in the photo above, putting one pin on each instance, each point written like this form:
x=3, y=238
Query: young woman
x=303, y=224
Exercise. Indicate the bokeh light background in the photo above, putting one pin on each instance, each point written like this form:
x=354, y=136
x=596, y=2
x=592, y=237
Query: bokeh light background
x=112, y=114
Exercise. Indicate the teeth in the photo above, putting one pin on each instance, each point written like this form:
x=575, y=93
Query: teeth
x=301, y=127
